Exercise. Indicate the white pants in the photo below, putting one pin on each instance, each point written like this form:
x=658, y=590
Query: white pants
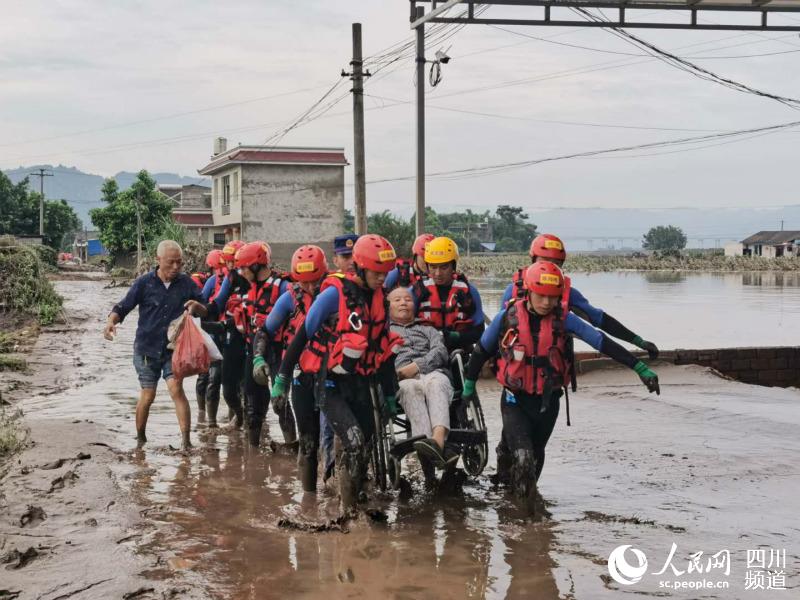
x=426, y=402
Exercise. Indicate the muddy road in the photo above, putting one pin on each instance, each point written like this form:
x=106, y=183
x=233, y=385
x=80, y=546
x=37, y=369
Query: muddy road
x=709, y=466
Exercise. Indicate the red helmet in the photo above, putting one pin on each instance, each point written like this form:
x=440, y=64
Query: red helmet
x=547, y=245
x=214, y=259
x=254, y=253
x=418, y=249
x=230, y=249
x=544, y=278
x=375, y=253
x=309, y=263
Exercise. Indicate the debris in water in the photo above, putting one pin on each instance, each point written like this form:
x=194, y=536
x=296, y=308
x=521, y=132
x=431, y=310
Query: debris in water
x=337, y=524
x=33, y=516
x=591, y=515
x=56, y=464
x=18, y=560
x=59, y=482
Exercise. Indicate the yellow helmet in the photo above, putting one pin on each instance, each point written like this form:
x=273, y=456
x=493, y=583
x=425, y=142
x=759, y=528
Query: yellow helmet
x=441, y=250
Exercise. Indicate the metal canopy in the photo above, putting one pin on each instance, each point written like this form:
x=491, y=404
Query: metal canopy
x=759, y=9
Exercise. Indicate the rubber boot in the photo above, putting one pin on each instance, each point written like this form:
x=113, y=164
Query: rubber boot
x=308, y=472
x=504, y=462
x=349, y=476
x=523, y=481
x=254, y=434
x=212, y=406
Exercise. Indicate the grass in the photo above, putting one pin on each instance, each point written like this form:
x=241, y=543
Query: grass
x=10, y=362
x=24, y=287
x=505, y=265
x=12, y=434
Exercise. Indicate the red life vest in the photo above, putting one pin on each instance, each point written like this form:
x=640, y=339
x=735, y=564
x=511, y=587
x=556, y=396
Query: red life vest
x=302, y=302
x=250, y=311
x=357, y=340
x=456, y=312
x=407, y=274
x=534, y=361
x=199, y=279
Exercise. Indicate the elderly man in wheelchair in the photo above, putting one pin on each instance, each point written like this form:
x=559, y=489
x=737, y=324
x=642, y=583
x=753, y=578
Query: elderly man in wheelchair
x=425, y=389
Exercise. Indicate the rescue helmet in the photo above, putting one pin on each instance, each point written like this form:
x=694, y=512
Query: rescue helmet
x=418, y=249
x=253, y=253
x=229, y=250
x=544, y=278
x=214, y=259
x=548, y=245
x=375, y=253
x=309, y=263
x=441, y=250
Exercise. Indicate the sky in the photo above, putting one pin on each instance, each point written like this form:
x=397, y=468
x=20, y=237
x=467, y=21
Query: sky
x=108, y=87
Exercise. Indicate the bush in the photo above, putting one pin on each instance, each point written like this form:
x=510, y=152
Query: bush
x=46, y=254
x=24, y=287
x=12, y=435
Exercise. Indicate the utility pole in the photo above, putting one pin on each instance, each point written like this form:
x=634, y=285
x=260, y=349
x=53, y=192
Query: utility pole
x=420, y=220
x=357, y=77
x=781, y=224
x=41, y=175
x=138, y=234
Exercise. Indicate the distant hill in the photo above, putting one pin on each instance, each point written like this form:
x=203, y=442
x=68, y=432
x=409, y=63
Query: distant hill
x=82, y=190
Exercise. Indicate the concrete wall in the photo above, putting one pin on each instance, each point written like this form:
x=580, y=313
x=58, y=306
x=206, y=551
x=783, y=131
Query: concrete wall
x=290, y=205
x=774, y=367
x=235, y=216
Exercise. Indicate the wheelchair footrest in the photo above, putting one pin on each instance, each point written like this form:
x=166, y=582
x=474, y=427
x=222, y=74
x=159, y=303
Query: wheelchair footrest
x=406, y=446
x=468, y=437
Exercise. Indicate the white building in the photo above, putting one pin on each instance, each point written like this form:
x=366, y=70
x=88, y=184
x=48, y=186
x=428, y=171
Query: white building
x=772, y=244
x=284, y=196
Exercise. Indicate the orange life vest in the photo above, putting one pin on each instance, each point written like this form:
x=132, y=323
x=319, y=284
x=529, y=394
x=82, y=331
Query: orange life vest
x=250, y=310
x=534, y=351
x=407, y=274
x=200, y=279
x=456, y=311
x=302, y=302
x=357, y=339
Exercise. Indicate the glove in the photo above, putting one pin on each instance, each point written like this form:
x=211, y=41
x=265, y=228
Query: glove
x=260, y=371
x=652, y=349
x=453, y=337
x=648, y=377
x=280, y=387
x=469, y=388
x=391, y=405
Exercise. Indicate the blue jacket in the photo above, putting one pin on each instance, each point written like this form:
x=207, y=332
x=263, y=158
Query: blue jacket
x=158, y=306
x=572, y=324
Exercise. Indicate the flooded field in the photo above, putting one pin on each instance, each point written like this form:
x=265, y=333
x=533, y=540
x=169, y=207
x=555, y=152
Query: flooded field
x=690, y=310
x=710, y=465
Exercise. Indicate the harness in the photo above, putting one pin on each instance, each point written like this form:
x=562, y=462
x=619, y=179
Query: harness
x=454, y=313
x=254, y=305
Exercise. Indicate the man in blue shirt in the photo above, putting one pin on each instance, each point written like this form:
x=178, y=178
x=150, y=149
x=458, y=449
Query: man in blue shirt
x=161, y=295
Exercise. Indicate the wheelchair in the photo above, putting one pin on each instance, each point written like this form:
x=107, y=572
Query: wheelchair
x=393, y=439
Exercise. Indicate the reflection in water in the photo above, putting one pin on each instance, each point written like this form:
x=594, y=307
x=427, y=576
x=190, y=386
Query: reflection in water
x=664, y=276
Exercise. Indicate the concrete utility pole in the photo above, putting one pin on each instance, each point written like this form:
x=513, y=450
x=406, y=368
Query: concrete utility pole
x=418, y=13
x=357, y=76
x=41, y=175
x=138, y=234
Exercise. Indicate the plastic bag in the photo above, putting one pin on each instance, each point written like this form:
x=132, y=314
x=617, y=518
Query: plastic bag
x=213, y=350
x=191, y=355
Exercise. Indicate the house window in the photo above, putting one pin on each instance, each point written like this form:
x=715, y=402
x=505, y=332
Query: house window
x=219, y=239
x=236, y=186
x=226, y=195
x=215, y=195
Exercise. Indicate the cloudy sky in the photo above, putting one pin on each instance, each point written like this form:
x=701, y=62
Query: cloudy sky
x=120, y=86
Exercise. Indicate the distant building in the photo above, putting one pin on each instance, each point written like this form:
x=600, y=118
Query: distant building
x=87, y=244
x=734, y=249
x=285, y=196
x=192, y=208
x=772, y=244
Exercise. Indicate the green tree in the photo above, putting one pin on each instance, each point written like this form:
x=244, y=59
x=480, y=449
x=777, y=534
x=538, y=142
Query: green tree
x=19, y=214
x=117, y=220
x=511, y=223
x=349, y=221
x=399, y=232
x=661, y=238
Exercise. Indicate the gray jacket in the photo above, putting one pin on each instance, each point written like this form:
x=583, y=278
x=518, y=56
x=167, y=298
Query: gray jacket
x=424, y=345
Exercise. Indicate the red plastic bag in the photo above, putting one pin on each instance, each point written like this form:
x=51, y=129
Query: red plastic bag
x=190, y=356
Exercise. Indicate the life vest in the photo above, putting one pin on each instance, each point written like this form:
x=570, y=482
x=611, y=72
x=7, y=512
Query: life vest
x=200, y=279
x=407, y=274
x=302, y=302
x=520, y=292
x=456, y=311
x=250, y=310
x=534, y=351
x=357, y=339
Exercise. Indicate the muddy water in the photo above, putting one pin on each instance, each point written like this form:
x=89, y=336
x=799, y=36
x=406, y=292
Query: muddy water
x=710, y=465
x=690, y=310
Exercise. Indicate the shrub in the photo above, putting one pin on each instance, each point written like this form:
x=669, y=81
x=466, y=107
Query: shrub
x=24, y=287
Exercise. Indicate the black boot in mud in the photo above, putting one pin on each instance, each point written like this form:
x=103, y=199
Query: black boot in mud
x=212, y=406
x=523, y=482
x=504, y=461
x=348, y=473
x=308, y=472
x=254, y=435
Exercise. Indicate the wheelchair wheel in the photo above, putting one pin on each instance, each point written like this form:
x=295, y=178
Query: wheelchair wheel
x=378, y=445
x=475, y=456
x=393, y=472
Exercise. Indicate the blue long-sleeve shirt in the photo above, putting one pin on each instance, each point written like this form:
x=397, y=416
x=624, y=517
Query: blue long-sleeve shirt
x=224, y=290
x=572, y=324
x=283, y=309
x=576, y=300
x=159, y=305
x=325, y=305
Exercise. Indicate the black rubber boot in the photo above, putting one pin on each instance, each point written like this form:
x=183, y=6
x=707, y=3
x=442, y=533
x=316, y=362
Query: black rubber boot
x=254, y=434
x=349, y=475
x=212, y=406
x=504, y=462
x=308, y=472
x=523, y=481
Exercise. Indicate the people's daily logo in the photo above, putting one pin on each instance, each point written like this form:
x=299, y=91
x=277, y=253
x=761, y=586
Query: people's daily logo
x=621, y=570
